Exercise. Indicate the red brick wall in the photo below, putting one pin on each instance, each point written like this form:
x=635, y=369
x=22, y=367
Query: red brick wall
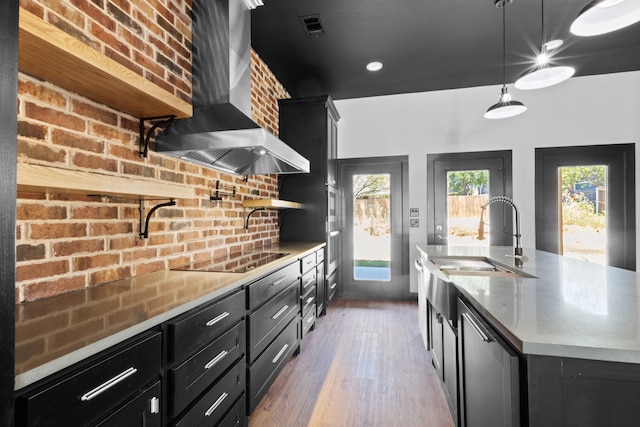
x=67, y=242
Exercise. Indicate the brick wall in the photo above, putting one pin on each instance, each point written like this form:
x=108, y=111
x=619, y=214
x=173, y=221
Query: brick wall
x=67, y=242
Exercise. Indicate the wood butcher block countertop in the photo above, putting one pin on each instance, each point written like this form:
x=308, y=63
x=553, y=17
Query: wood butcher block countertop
x=54, y=333
x=571, y=308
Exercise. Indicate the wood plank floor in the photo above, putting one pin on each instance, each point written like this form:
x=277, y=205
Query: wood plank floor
x=363, y=365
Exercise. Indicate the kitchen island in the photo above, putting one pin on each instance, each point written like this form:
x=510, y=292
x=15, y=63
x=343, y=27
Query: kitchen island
x=570, y=327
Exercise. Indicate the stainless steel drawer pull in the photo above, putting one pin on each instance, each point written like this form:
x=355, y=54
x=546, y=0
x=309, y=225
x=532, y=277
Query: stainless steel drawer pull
x=217, y=319
x=215, y=405
x=108, y=384
x=216, y=359
x=154, y=405
x=308, y=282
x=334, y=233
x=279, y=313
x=280, y=353
x=334, y=285
x=309, y=301
x=310, y=319
x=280, y=280
x=475, y=326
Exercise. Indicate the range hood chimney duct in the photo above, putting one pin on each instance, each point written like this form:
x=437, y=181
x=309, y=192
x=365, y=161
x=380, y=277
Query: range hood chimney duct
x=221, y=134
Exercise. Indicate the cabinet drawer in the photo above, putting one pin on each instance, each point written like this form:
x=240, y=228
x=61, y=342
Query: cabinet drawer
x=308, y=280
x=332, y=287
x=260, y=291
x=212, y=406
x=197, y=373
x=265, y=370
x=267, y=322
x=308, y=262
x=319, y=256
x=309, y=320
x=141, y=411
x=189, y=333
x=88, y=394
x=237, y=415
x=308, y=301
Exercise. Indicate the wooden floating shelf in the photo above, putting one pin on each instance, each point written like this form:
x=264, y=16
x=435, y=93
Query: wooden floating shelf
x=52, y=55
x=270, y=204
x=38, y=178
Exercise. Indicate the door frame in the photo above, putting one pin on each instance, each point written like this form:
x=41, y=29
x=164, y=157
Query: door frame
x=501, y=214
x=403, y=234
x=621, y=219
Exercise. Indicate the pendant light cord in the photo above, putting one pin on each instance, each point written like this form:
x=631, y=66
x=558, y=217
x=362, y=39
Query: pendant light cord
x=542, y=35
x=504, y=45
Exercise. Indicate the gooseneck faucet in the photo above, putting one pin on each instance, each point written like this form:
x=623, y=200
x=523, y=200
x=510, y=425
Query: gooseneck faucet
x=517, y=251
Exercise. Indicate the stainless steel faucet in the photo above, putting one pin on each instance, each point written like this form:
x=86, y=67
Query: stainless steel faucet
x=517, y=251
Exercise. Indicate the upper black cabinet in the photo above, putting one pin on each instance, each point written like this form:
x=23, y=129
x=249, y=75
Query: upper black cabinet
x=309, y=126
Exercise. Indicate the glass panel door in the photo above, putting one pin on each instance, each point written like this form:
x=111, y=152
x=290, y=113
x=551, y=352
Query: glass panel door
x=468, y=192
x=583, y=220
x=371, y=227
x=374, y=243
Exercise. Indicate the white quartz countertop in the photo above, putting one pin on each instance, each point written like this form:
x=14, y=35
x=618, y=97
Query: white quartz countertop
x=570, y=309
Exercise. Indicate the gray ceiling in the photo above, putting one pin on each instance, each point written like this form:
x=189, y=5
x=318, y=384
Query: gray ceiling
x=425, y=45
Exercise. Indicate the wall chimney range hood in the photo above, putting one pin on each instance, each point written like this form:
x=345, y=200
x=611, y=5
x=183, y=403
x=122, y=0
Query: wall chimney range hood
x=221, y=134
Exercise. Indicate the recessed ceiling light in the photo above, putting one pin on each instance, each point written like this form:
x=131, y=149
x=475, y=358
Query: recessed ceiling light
x=374, y=66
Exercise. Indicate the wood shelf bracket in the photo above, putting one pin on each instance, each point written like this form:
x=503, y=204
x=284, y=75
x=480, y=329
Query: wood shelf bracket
x=156, y=122
x=144, y=224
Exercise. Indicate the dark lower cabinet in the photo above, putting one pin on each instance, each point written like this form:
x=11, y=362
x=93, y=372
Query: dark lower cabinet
x=443, y=347
x=90, y=392
x=141, y=411
x=489, y=375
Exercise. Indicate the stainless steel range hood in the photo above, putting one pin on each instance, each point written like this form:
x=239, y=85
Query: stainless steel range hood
x=221, y=134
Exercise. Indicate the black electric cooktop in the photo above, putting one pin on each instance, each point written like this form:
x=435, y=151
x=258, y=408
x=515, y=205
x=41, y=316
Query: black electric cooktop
x=238, y=262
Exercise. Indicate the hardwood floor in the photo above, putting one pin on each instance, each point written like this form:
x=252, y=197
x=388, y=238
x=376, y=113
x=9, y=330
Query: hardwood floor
x=363, y=365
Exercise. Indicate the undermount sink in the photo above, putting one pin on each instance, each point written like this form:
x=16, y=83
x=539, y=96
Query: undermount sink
x=474, y=266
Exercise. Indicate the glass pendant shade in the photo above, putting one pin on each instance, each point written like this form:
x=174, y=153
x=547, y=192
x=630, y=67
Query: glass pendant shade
x=545, y=76
x=604, y=16
x=505, y=107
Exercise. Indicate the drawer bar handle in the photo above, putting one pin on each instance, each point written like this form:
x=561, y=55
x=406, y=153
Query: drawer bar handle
x=216, y=359
x=308, y=282
x=309, y=300
x=280, y=353
x=282, y=310
x=310, y=319
x=215, y=405
x=217, y=319
x=280, y=280
x=480, y=332
x=108, y=384
x=334, y=285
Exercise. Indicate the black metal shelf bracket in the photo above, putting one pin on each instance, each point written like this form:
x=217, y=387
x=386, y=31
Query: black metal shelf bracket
x=223, y=190
x=144, y=225
x=156, y=122
x=246, y=219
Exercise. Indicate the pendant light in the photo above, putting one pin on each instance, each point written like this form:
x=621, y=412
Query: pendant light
x=545, y=75
x=604, y=16
x=505, y=107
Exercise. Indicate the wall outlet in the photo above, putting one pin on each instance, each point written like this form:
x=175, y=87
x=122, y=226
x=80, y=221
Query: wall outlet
x=414, y=223
x=414, y=212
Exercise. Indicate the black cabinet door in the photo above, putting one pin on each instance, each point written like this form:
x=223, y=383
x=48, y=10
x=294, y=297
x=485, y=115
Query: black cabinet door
x=141, y=411
x=437, y=342
x=489, y=396
x=321, y=290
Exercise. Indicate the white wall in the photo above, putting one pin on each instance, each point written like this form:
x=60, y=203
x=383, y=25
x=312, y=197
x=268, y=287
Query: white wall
x=603, y=109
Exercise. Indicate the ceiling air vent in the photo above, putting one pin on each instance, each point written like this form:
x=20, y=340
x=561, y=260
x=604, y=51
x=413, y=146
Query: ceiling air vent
x=312, y=25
